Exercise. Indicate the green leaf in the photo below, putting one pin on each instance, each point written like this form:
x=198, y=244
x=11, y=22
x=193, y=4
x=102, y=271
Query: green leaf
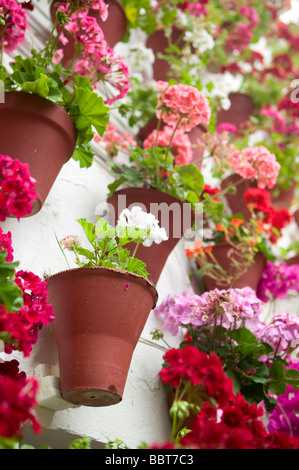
x=103, y=229
x=243, y=335
x=137, y=266
x=84, y=155
x=11, y=296
x=191, y=177
x=91, y=110
x=84, y=252
x=89, y=229
x=38, y=87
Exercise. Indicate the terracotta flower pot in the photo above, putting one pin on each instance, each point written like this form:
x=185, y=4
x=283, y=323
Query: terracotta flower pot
x=293, y=260
x=114, y=28
x=282, y=198
x=239, y=112
x=158, y=42
x=173, y=214
x=250, y=278
x=296, y=216
x=38, y=132
x=99, y=316
x=236, y=201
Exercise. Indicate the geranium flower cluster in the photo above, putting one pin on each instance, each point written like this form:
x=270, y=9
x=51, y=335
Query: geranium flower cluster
x=17, y=191
x=281, y=333
x=225, y=420
x=19, y=330
x=228, y=308
x=18, y=398
x=277, y=280
x=284, y=418
x=241, y=34
x=182, y=106
x=257, y=163
x=178, y=141
x=218, y=146
x=14, y=24
x=259, y=204
x=137, y=219
x=6, y=244
x=93, y=58
x=191, y=365
x=115, y=142
x=236, y=425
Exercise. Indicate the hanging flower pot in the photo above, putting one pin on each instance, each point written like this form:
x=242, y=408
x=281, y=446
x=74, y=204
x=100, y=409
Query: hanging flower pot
x=282, y=198
x=239, y=112
x=38, y=132
x=99, y=316
x=173, y=214
x=237, y=277
x=236, y=201
x=158, y=42
x=114, y=27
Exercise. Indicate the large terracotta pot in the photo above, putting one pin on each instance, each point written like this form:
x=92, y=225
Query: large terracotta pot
x=114, y=28
x=38, y=132
x=158, y=42
x=99, y=316
x=236, y=201
x=239, y=112
x=173, y=214
x=250, y=278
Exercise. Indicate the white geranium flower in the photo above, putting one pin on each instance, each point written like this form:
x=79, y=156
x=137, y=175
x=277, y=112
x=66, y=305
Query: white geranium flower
x=223, y=85
x=136, y=217
x=68, y=240
x=200, y=39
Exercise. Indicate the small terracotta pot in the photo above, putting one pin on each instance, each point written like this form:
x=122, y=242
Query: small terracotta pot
x=236, y=201
x=249, y=279
x=38, y=132
x=99, y=316
x=158, y=43
x=282, y=198
x=241, y=109
x=293, y=260
x=114, y=28
x=173, y=214
x=296, y=216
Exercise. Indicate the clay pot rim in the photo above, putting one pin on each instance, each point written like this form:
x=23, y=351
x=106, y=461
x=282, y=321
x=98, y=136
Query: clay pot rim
x=110, y=271
x=147, y=189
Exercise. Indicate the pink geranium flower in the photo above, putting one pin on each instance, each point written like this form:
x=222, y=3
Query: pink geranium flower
x=18, y=398
x=15, y=18
x=183, y=106
x=256, y=162
x=180, y=145
x=17, y=191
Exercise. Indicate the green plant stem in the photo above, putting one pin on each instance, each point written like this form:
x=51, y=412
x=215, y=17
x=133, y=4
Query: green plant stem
x=135, y=249
x=2, y=46
x=286, y=418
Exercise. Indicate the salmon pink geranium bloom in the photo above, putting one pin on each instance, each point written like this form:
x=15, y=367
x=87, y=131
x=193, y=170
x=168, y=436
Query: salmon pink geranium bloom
x=183, y=106
x=256, y=162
